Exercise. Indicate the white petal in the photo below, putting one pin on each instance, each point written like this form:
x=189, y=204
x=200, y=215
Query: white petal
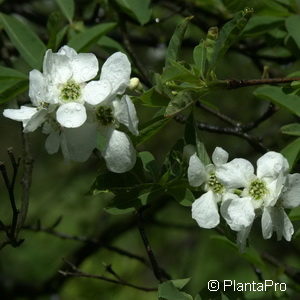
x=125, y=113
x=291, y=196
x=271, y=164
x=78, y=143
x=238, y=212
x=67, y=51
x=275, y=188
x=96, y=92
x=71, y=115
x=85, y=67
x=37, y=87
x=52, y=142
x=24, y=114
x=219, y=156
x=236, y=173
x=205, y=211
x=267, y=223
x=242, y=237
x=116, y=70
x=36, y=120
x=275, y=219
x=196, y=171
x=119, y=154
x=57, y=67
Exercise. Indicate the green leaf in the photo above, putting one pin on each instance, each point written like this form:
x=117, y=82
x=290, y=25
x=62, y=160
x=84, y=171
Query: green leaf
x=182, y=195
x=179, y=103
x=149, y=164
x=291, y=129
x=8, y=73
x=199, y=55
x=291, y=152
x=139, y=9
x=277, y=96
x=83, y=40
x=56, y=29
x=10, y=88
x=292, y=25
x=109, y=43
x=191, y=137
x=176, y=41
x=168, y=291
x=181, y=283
x=261, y=24
x=229, y=34
x=67, y=8
x=153, y=98
x=151, y=128
x=30, y=47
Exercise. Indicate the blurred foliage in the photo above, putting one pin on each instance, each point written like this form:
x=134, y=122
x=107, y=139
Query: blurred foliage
x=188, y=49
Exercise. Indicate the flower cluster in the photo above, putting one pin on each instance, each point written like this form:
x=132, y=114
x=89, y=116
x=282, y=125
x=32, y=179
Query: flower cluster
x=243, y=195
x=76, y=113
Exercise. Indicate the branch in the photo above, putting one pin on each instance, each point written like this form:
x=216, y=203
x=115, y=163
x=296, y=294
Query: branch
x=291, y=272
x=78, y=273
x=235, y=131
x=26, y=181
x=235, y=84
x=92, y=241
x=155, y=267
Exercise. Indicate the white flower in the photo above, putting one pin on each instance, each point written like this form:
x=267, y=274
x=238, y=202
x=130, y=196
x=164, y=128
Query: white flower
x=205, y=208
x=260, y=192
x=275, y=218
x=65, y=75
x=62, y=85
x=110, y=110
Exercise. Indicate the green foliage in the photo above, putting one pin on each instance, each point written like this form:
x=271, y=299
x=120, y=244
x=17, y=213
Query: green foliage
x=291, y=129
x=67, y=8
x=168, y=291
x=176, y=41
x=229, y=34
x=82, y=41
x=12, y=83
x=30, y=47
x=140, y=10
x=277, y=96
x=291, y=152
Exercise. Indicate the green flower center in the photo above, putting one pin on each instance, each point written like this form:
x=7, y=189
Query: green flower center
x=104, y=115
x=214, y=184
x=257, y=189
x=71, y=91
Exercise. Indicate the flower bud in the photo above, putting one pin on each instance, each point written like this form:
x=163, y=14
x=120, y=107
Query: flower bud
x=134, y=83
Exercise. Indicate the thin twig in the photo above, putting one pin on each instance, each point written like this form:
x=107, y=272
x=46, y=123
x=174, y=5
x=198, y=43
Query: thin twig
x=235, y=131
x=26, y=181
x=78, y=273
x=135, y=60
x=291, y=272
x=155, y=267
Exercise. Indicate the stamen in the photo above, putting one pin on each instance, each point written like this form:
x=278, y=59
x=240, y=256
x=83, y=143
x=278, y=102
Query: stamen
x=71, y=91
x=104, y=115
x=257, y=189
x=214, y=184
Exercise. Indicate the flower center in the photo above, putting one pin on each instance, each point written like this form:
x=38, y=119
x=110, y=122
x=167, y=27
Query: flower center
x=214, y=184
x=257, y=189
x=104, y=115
x=71, y=91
